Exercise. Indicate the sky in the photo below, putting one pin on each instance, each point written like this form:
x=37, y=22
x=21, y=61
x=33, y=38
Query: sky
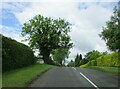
x=86, y=16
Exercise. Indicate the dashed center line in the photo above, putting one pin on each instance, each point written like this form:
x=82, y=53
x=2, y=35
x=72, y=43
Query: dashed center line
x=87, y=79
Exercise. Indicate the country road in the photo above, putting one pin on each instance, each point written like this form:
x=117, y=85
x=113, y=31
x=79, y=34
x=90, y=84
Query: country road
x=75, y=77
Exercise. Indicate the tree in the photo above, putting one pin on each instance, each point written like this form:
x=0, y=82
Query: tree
x=71, y=63
x=83, y=61
x=111, y=32
x=47, y=34
x=60, y=54
x=92, y=55
x=78, y=59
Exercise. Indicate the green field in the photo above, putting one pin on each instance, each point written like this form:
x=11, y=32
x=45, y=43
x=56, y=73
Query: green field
x=22, y=77
x=113, y=70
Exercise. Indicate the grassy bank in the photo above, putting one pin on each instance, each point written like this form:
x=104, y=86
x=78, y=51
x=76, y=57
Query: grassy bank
x=22, y=77
x=113, y=70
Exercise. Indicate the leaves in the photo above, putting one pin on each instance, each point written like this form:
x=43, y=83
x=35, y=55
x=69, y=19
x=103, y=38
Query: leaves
x=111, y=33
x=46, y=33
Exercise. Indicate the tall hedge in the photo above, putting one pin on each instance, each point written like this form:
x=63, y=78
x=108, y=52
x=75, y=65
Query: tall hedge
x=109, y=60
x=15, y=55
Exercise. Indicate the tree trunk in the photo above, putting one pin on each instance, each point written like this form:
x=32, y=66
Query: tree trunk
x=46, y=57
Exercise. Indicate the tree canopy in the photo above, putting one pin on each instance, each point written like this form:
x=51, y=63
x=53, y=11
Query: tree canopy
x=111, y=32
x=47, y=34
x=92, y=55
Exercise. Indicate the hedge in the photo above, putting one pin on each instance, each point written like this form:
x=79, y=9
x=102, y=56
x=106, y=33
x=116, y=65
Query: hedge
x=15, y=55
x=109, y=60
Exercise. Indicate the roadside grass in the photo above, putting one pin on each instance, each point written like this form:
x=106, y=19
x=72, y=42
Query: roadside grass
x=113, y=70
x=22, y=77
x=0, y=80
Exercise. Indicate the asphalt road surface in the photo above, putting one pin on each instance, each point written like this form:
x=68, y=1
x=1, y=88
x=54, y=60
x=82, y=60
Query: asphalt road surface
x=75, y=77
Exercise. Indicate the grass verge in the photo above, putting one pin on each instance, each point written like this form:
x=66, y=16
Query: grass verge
x=22, y=77
x=113, y=70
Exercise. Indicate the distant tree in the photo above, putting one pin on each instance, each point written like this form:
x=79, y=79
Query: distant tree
x=47, y=34
x=71, y=63
x=77, y=60
x=83, y=61
x=60, y=54
x=92, y=55
x=80, y=58
x=111, y=32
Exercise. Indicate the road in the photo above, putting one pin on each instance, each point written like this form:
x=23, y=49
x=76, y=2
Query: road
x=75, y=77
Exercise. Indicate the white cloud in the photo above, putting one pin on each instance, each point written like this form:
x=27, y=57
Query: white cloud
x=12, y=33
x=52, y=9
x=87, y=23
x=61, y=0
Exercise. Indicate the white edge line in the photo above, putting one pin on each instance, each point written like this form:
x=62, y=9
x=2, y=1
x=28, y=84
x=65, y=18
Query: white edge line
x=74, y=68
x=89, y=80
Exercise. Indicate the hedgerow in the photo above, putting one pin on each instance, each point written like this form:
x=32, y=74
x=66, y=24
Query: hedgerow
x=108, y=60
x=15, y=55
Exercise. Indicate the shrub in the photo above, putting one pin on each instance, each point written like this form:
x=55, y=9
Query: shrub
x=109, y=60
x=15, y=54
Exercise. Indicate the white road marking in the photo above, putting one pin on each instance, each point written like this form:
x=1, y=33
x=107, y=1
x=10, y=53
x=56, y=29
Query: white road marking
x=89, y=80
x=74, y=68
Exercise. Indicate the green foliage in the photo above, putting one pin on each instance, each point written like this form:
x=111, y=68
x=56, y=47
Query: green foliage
x=77, y=60
x=71, y=64
x=23, y=76
x=109, y=60
x=83, y=61
x=92, y=55
x=60, y=54
x=113, y=70
x=111, y=32
x=47, y=34
x=15, y=54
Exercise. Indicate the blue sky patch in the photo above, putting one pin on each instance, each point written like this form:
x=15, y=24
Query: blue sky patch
x=9, y=19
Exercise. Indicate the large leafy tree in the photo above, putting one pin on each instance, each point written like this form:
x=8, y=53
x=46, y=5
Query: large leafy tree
x=47, y=34
x=111, y=32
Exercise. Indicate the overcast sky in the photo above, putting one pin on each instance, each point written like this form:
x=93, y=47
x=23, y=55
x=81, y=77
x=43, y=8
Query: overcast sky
x=87, y=19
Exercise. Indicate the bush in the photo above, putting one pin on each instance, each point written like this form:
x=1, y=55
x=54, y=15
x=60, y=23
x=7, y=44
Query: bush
x=15, y=54
x=109, y=60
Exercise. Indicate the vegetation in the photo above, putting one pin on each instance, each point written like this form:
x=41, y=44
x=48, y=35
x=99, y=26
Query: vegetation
x=22, y=77
x=111, y=32
x=60, y=54
x=77, y=60
x=71, y=64
x=92, y=55
x=113, y=70
x=15, y=55
x=46, y=35
x=108, y=60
